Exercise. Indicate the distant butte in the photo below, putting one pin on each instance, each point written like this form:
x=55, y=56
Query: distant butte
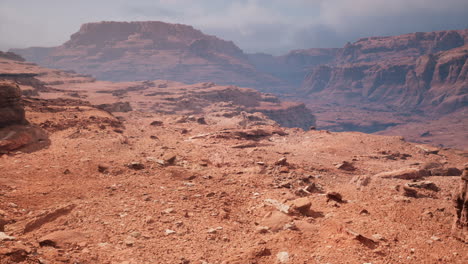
x=136, y=51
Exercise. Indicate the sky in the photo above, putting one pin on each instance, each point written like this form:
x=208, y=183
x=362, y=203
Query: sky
x=270, y=26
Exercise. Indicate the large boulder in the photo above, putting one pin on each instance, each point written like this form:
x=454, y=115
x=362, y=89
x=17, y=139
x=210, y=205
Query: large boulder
x=460, y=226
x=11, y=110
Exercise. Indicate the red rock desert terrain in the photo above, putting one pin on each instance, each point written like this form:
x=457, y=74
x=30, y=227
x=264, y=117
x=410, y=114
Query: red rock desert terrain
x=183, y=164
x=388, y=85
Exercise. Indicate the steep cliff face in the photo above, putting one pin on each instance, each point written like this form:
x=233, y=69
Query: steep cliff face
x=130, y=51
x=395, y=47
x=421, y=71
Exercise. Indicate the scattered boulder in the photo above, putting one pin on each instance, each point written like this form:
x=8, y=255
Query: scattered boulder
x=178, y=173
x=275, y=221
x=169, y=159
x=345, y=165
x=116, y=107
x=201, y=121
x=460, y=225
x=335, y=196
x=301, y=205
x=445, y=172
x=156, y=123
x=11, y=110
x=362, y=239
x=361, y=180
x=62, y=239
x=103, y=167
x=405, y=174
x=409, y=192
x=282, y=162
x=47, y=217
x=5, y=237
x=428, y=149
x=432, y=165
x=135, y=165
x=278, y=205
x=423, y=185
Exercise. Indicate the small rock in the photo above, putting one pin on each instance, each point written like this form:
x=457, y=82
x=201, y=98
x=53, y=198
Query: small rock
x=364, y=212
x=275, y=221
x=211, y=231
x=282, y=257
x=156, y=123
x=135, y=234
x=364, y=240
x=282, y=162
x=47, y=217
x=103, y=167
x=290, y=226
x=436, y=238
x=5, y=237
x=201, y=121
x=280, y=206
x=405, y=174
x=410, y=192
x=301, y=205
x=445, y=172
x=170, y=232
x=361, y=181
x=428, y=149
x=345, y=165
x=62, y=239
x=129, y=242
x=335, y=196
x=378, y=237
x=424, y=185
x=135, y=165
x=149, y=220
x=169, y=159
x=262, y=229
x=169, y=211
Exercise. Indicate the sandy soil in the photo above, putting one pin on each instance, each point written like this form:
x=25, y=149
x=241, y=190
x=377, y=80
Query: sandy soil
x=110, y=192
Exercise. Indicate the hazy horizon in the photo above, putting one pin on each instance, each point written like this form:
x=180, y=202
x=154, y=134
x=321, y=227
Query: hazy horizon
x=275, y=27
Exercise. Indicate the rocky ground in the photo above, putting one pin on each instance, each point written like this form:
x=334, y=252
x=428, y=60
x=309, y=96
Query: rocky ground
x=167, y=188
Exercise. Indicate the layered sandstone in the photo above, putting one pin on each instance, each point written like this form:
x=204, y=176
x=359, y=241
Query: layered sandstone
x=434, y=81
x=409, y=72
x=160, y=96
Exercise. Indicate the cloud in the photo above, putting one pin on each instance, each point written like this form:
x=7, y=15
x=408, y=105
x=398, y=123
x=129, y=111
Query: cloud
x=274, y=26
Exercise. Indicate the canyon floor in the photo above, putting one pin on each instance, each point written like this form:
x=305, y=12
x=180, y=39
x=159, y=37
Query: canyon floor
x=167, y=188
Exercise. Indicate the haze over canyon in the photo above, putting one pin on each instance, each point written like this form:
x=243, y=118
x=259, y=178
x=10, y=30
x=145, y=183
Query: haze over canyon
x=417, y=79
x=234, y=132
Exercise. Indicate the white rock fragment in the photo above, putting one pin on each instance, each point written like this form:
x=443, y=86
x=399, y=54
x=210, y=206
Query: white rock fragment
x=280, y=206
x=282, y=257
